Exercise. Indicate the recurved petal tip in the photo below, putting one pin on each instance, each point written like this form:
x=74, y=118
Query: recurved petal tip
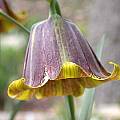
x=18, y=90
x=93, y=81
x=115, y=75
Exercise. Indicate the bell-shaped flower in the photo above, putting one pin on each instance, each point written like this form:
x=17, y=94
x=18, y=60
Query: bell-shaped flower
x=59, y=61
x=7, y=8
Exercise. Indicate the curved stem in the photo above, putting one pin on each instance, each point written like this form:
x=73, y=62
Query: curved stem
x=13, y=21
x=58, y=8
x=54, y=7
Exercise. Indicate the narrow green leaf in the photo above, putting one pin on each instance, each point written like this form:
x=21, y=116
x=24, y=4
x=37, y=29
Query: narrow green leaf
x=88, y=98
x=13, y=21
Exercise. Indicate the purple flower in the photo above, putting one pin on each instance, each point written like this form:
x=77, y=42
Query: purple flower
x=59, y=61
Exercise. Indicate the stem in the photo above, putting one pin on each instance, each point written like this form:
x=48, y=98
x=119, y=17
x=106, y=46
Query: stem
x=88, y=99
x=15, y=110
x=58, y=8
x=70, y=105
x=54, y=7
x=13, y=21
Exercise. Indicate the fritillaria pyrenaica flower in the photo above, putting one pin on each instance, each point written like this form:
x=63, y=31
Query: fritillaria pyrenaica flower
x=5, y=6
x=59, y=61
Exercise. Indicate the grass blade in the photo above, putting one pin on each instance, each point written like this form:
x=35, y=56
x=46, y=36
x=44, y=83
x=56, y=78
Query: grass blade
x=14, y=21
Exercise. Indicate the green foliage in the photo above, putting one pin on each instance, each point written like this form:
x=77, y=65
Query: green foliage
x=10, y=61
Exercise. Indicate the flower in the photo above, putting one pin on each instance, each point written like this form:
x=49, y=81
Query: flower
x=59, y=61
x=6, y=7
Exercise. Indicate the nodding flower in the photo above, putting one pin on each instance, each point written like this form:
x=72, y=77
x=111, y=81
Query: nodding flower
x=59, y=61
x=7, y=8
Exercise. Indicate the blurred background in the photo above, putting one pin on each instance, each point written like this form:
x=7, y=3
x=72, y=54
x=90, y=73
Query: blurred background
x=95, y=18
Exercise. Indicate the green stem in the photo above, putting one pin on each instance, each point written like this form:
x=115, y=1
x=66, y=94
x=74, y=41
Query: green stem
x=58, y=8
x=54, y=7
x=15, y=110
x=13, y=21
x=70, y=105
x=88, y=99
